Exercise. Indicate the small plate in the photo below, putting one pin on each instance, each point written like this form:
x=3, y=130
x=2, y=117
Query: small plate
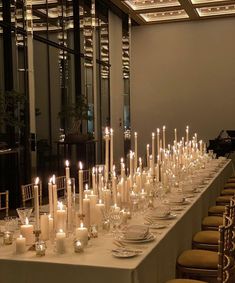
x=147, y=240
x=124, y=253
x=157, y=226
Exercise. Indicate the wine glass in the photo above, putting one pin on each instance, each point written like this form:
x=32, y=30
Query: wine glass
x=24, y=212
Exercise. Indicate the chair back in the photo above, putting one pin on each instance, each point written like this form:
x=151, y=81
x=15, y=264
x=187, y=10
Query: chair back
x=224, y=249
x=87, y=177
x=4, y=201
x=27, y=193
x=61, y=185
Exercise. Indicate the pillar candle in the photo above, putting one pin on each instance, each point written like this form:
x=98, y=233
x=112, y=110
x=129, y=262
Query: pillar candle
x=86, y=210
x=60, y=242
x=99, y=208
x=61, y=216
x=136, y=152
x=67, y=170
x=118, y=199
x=26, y=231
x=20, y=245
x=82, y=234
x=107, y=198
x=44, y=225
x=80, y=177
x=36, y=204
x=93, y=200
x=87, y=191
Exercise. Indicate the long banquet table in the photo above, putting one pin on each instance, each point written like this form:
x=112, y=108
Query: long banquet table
x=96, y=264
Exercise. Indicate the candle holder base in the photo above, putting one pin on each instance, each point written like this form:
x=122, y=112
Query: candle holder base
x=37, y=235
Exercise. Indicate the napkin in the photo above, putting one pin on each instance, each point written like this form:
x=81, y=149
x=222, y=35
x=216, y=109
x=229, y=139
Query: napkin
x=136, y=232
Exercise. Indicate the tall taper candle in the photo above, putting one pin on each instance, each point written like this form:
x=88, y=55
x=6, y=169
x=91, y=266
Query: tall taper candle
x=67, y=170
x=153, y=148
x=106, y=137
x=55, y=199
x=50, y=196
x=111, y=149
x=80, y=177
x=36, y=204
x=147, y=155
x=164, y=137
x=158, y=141
x=187, y=134
x=136, y=152
x=175, y=135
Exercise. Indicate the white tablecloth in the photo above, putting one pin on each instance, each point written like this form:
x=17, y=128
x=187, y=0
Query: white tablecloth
x=97, y=265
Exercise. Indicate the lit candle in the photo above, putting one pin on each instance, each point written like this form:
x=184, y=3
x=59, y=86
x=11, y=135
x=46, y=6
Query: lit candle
x=51, y=227
x=50, y=196
x=93, y=201
x=114, y=187
x=187, y=134
x=55, y=199
x=111, y=149
x=122, y=168
x=175, y=135
x=158, y=141
x=131, y=168
x=67, y=171
x=80, y=176
x=36, y=204
x=136, y=152
x=153, y=148
x=164, y=137
x=94, y=179
x=106, y=137
x=69, y=203
x=147, y=155
x=60, y=242
x=99, y=212
x=82, y=234
x=86, y=209
x=61, y=217
x=26, y=231
x=20, y=245
x=44, y=223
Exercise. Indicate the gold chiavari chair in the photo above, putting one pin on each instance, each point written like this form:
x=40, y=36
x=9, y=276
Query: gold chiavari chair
x=4, y=202
x=61, y=185
x=208, y=265
x=87, y=177
x=27, y=194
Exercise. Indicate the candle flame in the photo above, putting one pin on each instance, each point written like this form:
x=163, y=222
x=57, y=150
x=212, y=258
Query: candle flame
x=86, y=186
x=37, y=181
x=50, y=180
x=115, y=205
x=80, y=165
x=106, y=131
x=147, y=146
x=153, y=135
x=60, y=205
x=67, y=163
x=111, y=131
x=140, y=160
x=93, y=170
x=122, y=160
x=164, y=127
x=69, y=182
x=135, y=134
x=26, y=221
x=100, y=169
x=158, y=130
x=53, y=179
x=61, y=230
x=81, y=225
x=20, y=236
x=100, y=201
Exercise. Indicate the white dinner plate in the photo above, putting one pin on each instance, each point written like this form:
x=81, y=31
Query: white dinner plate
x=147, y=240
x=124, y=253
x=166, y=217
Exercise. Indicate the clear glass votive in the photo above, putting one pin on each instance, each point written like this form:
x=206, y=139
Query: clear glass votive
x=40, y=248
x=78, y=246
x=7, y=238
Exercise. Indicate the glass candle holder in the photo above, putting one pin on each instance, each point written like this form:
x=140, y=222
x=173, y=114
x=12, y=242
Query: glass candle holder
x=40, y=248
x=78, y=246
x=7, y=238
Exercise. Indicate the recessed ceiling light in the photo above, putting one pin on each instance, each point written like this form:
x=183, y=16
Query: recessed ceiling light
x=164, y=16
x=216, y=10
x=150, y=4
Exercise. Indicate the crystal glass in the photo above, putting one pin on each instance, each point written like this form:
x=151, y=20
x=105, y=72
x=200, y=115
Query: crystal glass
x=24, y=212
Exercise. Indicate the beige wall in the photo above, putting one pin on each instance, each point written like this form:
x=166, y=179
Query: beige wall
x=183, y=74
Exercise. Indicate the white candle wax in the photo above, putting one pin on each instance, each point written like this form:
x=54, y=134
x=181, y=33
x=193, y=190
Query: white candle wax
x=55, y=200
x=164, y=137
x=61, y=216
x=111, y=149
x=107, y=198
x=50, y=196
x=44, y=223
x=51, y=227
x=86, y=209
x=67, y=170
x=153, y=147
x=94, y=180
x=80, y=176
x=158, y=141
x=131, y=168
x=93, y=200
x=36, y=204
x=114, y=187
x=60, y=242
x=69, y=203
x=136, y=152
x=106, y=137
x=26, y=231
x=20, y=245
x=82, y=234
x=99, y=208
x=175, y=135
x=147, y=155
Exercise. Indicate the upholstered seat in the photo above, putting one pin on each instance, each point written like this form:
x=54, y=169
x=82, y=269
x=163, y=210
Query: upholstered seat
x=207, y=237
x=230, y=192
x=185, y=281
x=199, y=259
x=212, y=222
x=231, y=180
x=216, y=210
x=223, y=199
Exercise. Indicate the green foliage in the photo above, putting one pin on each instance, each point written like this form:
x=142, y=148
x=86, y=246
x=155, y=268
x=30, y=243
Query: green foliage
x=11, y=112
x=78, y=111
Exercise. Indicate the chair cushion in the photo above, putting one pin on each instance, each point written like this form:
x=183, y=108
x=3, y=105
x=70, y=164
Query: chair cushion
x=207, y=237
x=229, y=185
x=213, y=221
x=184, y=281
x=198, y=259
x=217, y=209
x=228, y=192
x=231, y=180
x=223, y=199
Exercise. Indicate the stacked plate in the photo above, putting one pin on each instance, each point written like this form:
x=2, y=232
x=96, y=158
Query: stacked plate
x=137, y=234
x=159, y=214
